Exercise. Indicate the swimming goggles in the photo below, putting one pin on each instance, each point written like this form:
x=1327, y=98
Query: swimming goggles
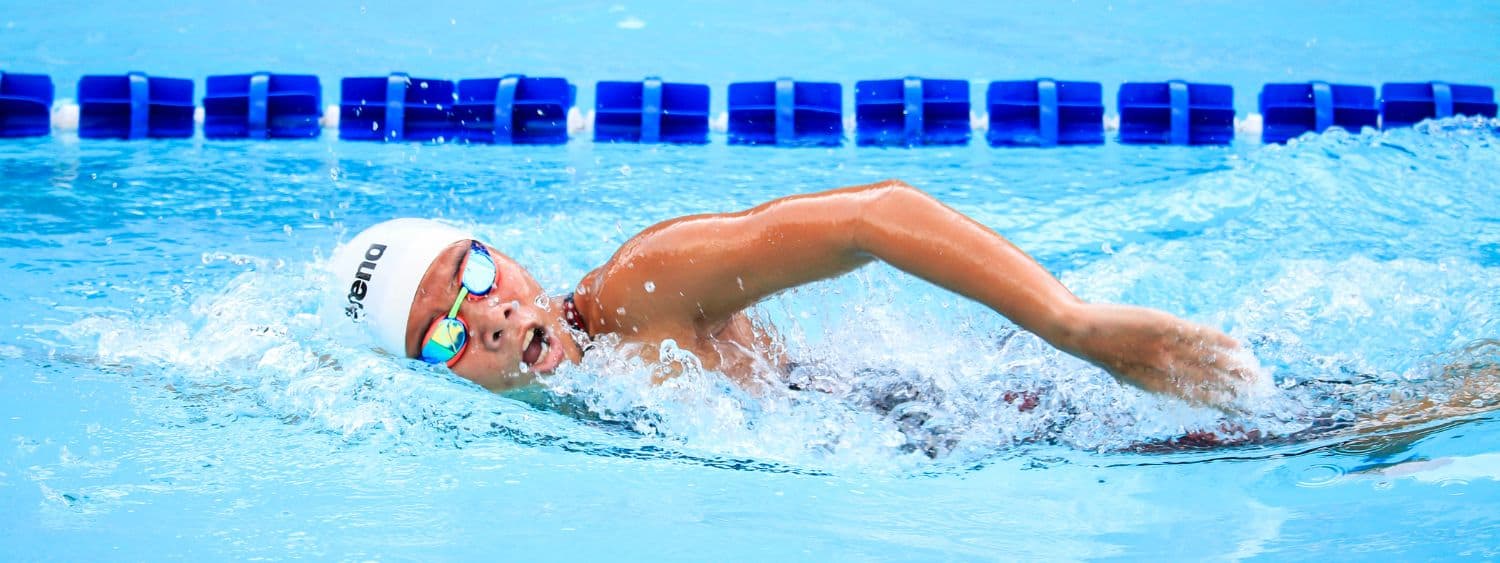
x=444, y=343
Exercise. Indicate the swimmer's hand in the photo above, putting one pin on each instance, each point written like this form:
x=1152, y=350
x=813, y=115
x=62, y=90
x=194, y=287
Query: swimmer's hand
x=1161, y=353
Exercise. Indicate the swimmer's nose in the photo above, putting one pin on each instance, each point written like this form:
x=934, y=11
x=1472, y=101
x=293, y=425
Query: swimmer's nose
x=502, y=322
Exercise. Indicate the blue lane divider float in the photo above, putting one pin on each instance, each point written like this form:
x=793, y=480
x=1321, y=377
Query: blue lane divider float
x=651, y=111
x=262, y=106
x=514, y=109
x=911, y=112
x=786, y=113
x=1405, y=103
x=135, y=106
x=1045, y=112
x=529, y=110
x=25, y=105
x=1176, y=112
x=1289, y=110
x=395, y=108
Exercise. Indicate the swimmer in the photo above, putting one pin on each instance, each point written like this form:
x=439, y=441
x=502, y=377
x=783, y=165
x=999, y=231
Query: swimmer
x=430, y=291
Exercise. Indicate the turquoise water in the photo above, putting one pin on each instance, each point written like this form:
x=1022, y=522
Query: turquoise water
x=1355, y=266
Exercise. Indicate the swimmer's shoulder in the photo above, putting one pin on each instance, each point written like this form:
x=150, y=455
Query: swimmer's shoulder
x=627, y=299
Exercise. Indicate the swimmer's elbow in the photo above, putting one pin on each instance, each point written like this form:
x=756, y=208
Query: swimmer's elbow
x=896, y=187
x=901, y=183
x=881, y=206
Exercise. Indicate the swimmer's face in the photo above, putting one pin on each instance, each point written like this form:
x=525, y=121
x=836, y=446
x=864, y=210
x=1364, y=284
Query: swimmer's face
x=514, y=331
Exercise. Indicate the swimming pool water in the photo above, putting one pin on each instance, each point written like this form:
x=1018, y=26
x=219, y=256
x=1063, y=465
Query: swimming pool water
x=170, y=388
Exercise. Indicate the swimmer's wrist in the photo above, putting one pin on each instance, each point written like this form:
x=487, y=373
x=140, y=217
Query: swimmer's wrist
x=1067, y=326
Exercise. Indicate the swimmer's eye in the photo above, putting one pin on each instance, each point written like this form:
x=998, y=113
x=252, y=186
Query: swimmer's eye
x=445, y=340
x=480, y=275
x=447, y=335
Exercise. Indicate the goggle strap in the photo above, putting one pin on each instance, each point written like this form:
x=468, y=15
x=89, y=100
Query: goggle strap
x=462, y=293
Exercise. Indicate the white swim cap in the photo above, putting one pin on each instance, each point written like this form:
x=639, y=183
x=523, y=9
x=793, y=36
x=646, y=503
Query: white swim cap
x=378, y=272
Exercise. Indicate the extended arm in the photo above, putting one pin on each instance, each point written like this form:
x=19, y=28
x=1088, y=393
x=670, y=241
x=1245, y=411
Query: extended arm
x=712, y=266
x=702, y=269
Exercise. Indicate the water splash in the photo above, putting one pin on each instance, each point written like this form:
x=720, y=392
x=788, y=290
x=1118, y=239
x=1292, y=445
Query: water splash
x=1305, y=253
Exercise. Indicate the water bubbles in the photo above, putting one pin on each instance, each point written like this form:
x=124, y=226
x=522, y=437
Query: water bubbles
x=650, y=286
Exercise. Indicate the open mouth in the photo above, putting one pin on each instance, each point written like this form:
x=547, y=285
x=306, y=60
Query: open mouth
x=535, y=346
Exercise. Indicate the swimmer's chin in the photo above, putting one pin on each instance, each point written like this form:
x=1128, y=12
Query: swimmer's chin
x=555, y=356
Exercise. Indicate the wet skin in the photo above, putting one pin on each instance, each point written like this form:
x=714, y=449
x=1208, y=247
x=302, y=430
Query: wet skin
x=691, y=279
x=499, y=321
x=500, y=324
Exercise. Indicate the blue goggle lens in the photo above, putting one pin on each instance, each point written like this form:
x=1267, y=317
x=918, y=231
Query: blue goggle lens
x=445, y=339
x=479, y=271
